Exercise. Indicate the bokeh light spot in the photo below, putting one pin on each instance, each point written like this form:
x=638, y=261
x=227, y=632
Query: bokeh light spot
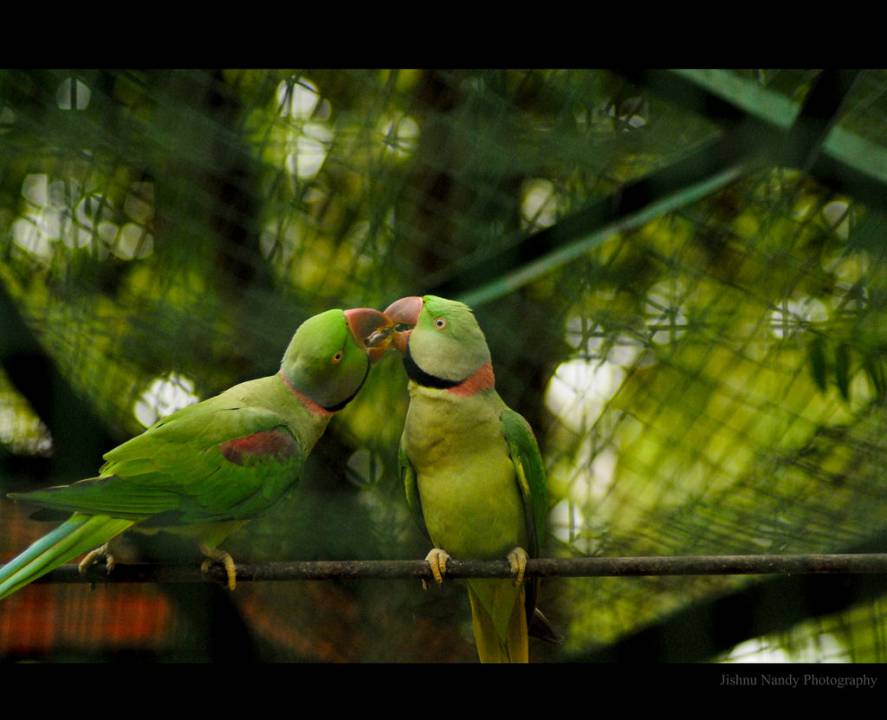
x=73, y=94
x=164, y=396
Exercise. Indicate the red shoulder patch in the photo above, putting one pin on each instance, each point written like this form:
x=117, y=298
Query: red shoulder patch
x=275, y=444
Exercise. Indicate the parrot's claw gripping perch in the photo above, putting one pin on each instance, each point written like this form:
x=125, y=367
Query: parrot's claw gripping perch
x=93, y=556
x=437, y=560
x=517, y=558
x=215, y=555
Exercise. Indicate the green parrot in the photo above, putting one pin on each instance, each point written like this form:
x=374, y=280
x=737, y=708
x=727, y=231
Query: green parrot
x=207, y=469
x=471, y=469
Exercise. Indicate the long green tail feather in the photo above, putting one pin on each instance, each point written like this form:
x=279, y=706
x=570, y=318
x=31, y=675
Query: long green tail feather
x=77, y=535
x=498, y=642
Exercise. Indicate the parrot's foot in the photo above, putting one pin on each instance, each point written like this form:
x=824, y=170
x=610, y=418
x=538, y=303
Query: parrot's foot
x=437, y=561
x=93, y=556
x=517, y=558
x=215, y=555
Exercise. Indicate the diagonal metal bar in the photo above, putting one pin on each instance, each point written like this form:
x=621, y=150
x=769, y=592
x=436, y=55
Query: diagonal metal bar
x=793, y=133
x=812, y=125
x=750, y=98
x=818, y=116
x=706, y=169
x=863, y=563
x=725, y=108
x=845, y=161
x=709, y=168
x=763, y=127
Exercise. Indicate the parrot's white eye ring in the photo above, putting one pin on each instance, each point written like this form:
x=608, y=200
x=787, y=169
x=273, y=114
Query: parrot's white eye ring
x=337, y=358
x=440, y=323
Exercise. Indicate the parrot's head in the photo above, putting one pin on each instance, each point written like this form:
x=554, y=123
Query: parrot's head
x=329, y=357
x=440, y=339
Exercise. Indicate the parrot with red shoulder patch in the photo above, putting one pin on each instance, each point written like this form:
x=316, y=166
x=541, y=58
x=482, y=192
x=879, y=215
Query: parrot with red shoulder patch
x=207, y=469
x=471, y=469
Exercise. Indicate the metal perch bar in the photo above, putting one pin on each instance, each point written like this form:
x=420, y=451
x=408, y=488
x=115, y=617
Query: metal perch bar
x=862, y=563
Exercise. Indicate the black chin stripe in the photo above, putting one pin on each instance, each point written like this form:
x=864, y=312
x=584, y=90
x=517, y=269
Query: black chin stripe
x=340, y=405
x=418, y=375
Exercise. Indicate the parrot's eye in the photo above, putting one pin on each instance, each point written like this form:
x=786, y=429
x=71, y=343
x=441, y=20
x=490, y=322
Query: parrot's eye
x=337, y=357
x=440, y=323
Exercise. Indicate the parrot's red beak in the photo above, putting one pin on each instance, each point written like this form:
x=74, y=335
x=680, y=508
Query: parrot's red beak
x=404, y=312
x=364, y=322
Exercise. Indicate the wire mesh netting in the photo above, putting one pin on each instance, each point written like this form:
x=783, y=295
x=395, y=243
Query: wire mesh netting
x=683, y=296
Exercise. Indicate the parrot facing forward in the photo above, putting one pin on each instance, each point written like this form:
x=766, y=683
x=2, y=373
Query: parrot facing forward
x=471, y=469
x=208, y=468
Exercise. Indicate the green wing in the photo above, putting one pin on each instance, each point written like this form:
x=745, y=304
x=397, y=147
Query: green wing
x=530, y=473
x=411, y=488
x=215, y=461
